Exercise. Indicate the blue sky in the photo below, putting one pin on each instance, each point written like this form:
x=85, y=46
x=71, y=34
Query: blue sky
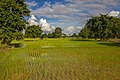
x=71, y=15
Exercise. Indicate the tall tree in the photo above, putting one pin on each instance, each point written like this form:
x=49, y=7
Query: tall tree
x=58, y=32
x=12, y=13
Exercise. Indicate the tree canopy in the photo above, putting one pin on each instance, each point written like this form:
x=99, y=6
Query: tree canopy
x=33, y=31
x=12, y=13
x=58, y=32
x=102, y=27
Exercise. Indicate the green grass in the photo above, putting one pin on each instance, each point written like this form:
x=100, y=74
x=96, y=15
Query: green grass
x=61, y=59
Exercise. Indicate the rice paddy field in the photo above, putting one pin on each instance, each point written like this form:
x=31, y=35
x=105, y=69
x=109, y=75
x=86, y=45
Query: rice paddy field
x=60, y=59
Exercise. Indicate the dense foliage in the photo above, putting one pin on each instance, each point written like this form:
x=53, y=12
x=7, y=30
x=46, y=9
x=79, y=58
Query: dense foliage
x=58, y=32
x=85, y=32
x=12, y=13
x=102, y=27
x=33, y=32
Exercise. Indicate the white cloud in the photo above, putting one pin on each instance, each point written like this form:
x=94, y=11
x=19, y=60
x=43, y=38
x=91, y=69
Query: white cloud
x=53, y=27
x=114, y=13
x=73, y=29
x=45, y=26
x=57, y=10
x=73, y=11
x=43, y=21
x=31, y=4
x=75, y=7
x=32, y=20
x=79, y=27
x=33, y=17
x=103, y=2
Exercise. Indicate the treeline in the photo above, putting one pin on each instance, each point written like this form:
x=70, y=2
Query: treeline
x=36, y=32
x=101, y=27
x=56, y=34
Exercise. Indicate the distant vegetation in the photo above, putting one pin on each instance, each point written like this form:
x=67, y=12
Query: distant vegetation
x=56, y=34
x=33, y=31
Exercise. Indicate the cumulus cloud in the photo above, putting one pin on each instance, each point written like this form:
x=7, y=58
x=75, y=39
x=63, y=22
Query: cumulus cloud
x=73, y=29
x=32, y=20
x=114, y=13
x=45, y=26
x=33, y=17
